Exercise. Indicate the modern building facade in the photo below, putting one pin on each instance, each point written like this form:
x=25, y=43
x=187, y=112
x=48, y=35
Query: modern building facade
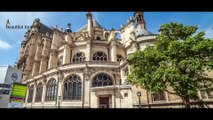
x=86, y=68
x=8, y=76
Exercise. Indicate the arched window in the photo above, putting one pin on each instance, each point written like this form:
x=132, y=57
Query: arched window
x=79, y=57
x=39, y=91
x=119, y=58
x=60, y=61
x=51, y=90
x=106, y=34
x=100, y=56
x=98, y=38
x=210, y=93
x=102, y=80
x=72, y=88
x=118, y=36
x=30, y=94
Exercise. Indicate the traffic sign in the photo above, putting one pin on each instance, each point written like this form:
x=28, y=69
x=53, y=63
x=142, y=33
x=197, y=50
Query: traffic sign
x=4, y=85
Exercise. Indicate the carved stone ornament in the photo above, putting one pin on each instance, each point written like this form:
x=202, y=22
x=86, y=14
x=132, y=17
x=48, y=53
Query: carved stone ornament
x=45, y=80
x=60, y=76
x=54, y=52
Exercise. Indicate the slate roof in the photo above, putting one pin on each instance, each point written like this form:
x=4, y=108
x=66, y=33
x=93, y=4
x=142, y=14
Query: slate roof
x=44, y=29
x=142, y=32
x=95, y=25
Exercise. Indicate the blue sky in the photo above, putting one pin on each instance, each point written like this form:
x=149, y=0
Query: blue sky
x=10, y=39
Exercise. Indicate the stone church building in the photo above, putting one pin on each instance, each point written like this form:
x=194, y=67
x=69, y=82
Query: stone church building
x=87, y=68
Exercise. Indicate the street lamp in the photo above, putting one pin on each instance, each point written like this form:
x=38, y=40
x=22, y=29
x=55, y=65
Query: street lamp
x=139, y=99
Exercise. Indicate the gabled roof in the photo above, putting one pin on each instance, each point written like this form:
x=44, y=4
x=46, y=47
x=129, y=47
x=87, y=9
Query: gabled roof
x=95, y=25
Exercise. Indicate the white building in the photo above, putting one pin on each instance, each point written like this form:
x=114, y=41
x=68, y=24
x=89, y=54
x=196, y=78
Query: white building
x=8, y=75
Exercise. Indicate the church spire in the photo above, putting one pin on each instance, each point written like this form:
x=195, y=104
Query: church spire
x=89, y=24
x=139, y=19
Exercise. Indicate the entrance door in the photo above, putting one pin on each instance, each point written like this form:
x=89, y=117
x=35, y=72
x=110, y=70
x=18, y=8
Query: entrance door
x=103, y=102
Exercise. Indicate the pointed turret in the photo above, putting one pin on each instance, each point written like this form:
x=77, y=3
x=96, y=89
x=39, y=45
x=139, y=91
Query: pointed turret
x=68, y=29
x=89, y=24
x=36, y=26
x=139, y=19
x=141, y=25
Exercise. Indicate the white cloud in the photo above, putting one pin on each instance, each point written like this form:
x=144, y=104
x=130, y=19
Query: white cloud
x=209, y=33
x=4, y=45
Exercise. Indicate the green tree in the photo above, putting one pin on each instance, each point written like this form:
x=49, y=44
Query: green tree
x=179, y=59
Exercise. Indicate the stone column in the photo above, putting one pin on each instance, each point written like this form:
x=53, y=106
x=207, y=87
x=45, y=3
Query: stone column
x=167, y=96
x=199, y=94
x=44, y=91
x=53, y=59
x=31, y=57
x=122, y=76
x=113, y=101
x=33, y=45
x=43, y=65
x=38, y=50
x=54, y=47
x=35, y=69
x=36, y=64
x=89, y=24
x=44, y=55
x=34, y=94
x=113, y=51
x=27, y=94
x=88, y=51
x=86, y=87
x=59, y=93
x=66, y=54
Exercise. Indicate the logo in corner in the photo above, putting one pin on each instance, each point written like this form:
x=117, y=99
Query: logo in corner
x=8, y=23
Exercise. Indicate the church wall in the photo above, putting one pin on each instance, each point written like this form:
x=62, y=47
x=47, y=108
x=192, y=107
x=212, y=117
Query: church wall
x=121, y=52
x=79, y=49
x=96, y=48
x=120, y=94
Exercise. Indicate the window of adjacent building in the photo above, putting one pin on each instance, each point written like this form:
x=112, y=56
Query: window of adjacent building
x=39, y=91
x=206, y=94
x=125, y=94
x=79, y=57
x=30, y=94
x=51, y=90
x=102, y=79
x=60, y=61
x=210, y=93
x=159, y=96
x=203, y=94
x=119, y=58
x=72, y=88
x=100, y=56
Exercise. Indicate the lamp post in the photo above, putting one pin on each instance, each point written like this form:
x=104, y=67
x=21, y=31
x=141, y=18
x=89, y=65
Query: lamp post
x=139, y=99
